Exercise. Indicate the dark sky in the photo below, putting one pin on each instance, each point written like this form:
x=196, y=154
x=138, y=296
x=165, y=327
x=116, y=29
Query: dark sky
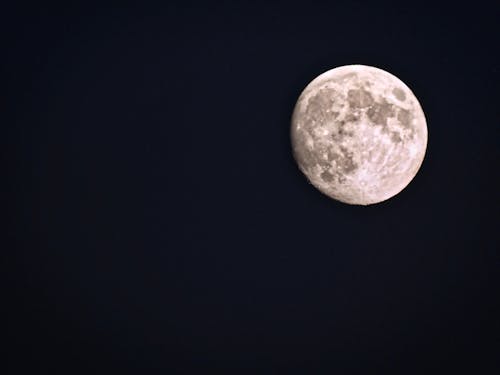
x=157, y=222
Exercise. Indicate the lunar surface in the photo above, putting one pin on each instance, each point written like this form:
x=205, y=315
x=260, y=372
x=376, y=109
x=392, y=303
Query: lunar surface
x=358, y=134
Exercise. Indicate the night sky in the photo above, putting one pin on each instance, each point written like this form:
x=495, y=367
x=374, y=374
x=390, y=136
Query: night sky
x=157, y=221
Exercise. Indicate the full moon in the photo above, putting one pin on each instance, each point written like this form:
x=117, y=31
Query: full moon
x=358, y=134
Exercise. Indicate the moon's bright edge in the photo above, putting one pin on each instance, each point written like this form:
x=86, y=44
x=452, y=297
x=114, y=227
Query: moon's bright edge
x=358, y=134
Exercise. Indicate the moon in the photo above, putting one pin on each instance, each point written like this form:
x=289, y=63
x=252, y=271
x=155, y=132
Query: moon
x=358, y=134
